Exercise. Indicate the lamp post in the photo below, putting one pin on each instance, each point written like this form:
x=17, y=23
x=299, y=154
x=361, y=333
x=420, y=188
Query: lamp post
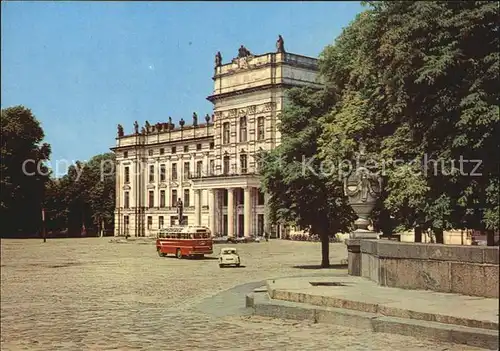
x=362, y=187
x=43, y=226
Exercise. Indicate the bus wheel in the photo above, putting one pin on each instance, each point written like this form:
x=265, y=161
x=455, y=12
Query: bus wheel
x=178, y=253
x=161, y=254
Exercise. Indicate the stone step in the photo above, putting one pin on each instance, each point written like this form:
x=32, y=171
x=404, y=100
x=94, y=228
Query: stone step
x=262, y=305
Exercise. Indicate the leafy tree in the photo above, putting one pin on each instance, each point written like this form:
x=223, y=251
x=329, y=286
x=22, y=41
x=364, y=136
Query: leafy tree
x=23, y=172
x=416, y=80
x=300, y=194
x=84, y=196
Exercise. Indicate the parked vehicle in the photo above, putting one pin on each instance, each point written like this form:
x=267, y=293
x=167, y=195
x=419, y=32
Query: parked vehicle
x=229, y=257
x=193, y=241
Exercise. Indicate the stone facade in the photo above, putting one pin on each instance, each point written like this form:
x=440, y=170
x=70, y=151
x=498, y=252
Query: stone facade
x=210, y=164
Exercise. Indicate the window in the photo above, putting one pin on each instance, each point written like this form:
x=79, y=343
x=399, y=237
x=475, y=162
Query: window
x=260, y=224
x=243, y=163
x=125, y=155
x=186, y=197
x=260, y=128
x=127, y=174
x=198, y=147
x=199, y=167
x=125, y=224
x=150, y=152
x=151, y=202
x=186, y=148
x=225, y=133
x=162, y=151
x=225, y=168
x=174, y=149
x=260, y=198
x=240, y=196
x=174, y=171
x=243, y=129
x=160, y=222
x=224, y=197
x=174, y=198
x=212, y=145
x=126, y=200
x=151, y=173
x=186, y=171
x=150, y=222
x=212, y=167
x=163, y=173
x=162, y=198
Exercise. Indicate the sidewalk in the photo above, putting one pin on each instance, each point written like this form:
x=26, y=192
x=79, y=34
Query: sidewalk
x=361, y=303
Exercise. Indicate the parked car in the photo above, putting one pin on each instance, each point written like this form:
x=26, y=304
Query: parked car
x=229, y=257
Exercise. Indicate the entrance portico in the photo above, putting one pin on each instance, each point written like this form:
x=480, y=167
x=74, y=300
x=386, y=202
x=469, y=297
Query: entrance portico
x=232, y=203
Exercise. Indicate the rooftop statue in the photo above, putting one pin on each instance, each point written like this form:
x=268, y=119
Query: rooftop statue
x=120, y=130
x=280, y=44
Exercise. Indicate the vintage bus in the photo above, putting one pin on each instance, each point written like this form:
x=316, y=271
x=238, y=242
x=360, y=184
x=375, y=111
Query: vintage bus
x=184, y=241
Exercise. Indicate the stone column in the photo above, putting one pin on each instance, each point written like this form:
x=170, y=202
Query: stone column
x=197, y=207
x=247, y=212
x=230, y=212
x=212, y=211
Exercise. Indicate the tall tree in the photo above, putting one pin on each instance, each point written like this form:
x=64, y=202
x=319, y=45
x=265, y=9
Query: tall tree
x=23, y=171
x=300, y=189
x=416, y=81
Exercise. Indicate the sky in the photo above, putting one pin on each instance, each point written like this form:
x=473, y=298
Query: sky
x=84, y=67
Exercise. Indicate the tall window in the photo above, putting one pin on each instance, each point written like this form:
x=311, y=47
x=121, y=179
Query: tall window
x=260, y=128
x=125, y=154
x=160, y=222
x=125, y=224
x=243, y=163
x=150, y=222
x=174, y=171
x=151, y=201
x=126, y=200
x=186, y=171
x=186, y=197
x=162, y=198
x=212, y=167
x=151, y=173
x=243, y=129
x=174, y=149
x=150, y=152
x=225, y=133
x=199, y=168
x=127, y=174
x=163, y=173
x=225, y=168
x=186, y=148
x=260, y=198
x=174, y=197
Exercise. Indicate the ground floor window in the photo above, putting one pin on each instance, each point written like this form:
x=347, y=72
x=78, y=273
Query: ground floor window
x=260, y=224
x=175, y=222
x=150, y=222
x=125, y=224
x=160, y=222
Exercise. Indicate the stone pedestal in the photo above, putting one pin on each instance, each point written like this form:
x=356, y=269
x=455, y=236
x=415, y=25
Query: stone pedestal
x=353, y=256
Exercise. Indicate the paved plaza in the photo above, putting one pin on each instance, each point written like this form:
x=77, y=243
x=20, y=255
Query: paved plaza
x=90, y=294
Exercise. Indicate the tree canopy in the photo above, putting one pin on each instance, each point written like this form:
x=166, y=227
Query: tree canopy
x=23, y=171
x=416, y=82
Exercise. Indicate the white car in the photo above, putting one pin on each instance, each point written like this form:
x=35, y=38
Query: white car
x=229, y=257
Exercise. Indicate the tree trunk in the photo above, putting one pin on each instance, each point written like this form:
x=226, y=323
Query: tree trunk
x=418, y=234
x=439, y=233
x=325, y=251
x=490, y=238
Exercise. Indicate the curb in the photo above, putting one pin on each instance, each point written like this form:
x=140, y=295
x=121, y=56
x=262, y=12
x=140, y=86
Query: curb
x=262, y=305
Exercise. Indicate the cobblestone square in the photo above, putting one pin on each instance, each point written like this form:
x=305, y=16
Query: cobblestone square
x=90, y=294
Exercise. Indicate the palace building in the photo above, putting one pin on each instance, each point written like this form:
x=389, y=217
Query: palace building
x=209, y=164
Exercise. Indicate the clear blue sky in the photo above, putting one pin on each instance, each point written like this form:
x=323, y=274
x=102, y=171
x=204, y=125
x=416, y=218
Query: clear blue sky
x=84, y=67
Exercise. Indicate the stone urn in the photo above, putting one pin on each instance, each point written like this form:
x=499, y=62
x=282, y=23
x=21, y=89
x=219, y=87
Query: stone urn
x=362, y=188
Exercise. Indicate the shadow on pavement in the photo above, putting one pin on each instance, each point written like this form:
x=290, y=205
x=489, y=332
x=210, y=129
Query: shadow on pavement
x=332, y=266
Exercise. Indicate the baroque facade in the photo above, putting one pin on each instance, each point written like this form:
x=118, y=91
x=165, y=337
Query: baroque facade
x=210, y=164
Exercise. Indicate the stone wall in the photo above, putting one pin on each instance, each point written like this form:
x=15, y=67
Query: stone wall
x=468, y=270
